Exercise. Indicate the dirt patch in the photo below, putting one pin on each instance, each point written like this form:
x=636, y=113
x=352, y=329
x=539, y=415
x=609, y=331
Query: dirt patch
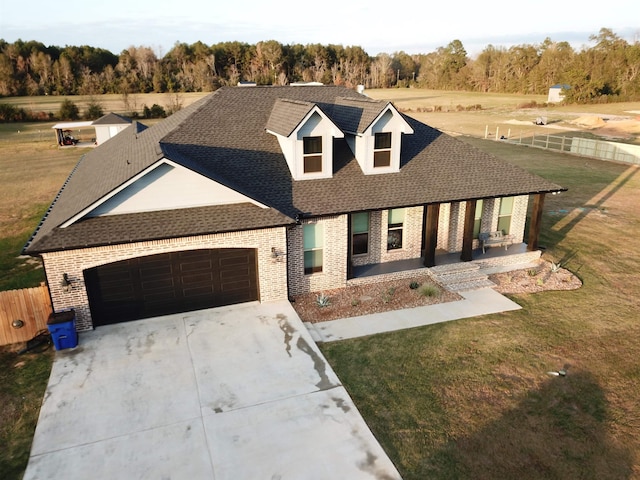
x=589, y=121
x=540, y=278
x=374, y=298
x=619, y=129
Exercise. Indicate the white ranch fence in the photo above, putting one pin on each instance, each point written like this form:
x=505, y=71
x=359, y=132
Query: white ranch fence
x=585, y=147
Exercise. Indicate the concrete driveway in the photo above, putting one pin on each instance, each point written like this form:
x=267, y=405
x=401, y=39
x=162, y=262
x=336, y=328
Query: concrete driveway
x=236, y=393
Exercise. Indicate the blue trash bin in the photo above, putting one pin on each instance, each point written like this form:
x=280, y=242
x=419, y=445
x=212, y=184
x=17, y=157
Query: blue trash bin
x=62, y=326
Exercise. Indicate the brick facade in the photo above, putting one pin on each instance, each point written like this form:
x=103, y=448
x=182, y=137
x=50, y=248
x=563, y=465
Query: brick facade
x=450, y=238
x=272, y=272
x=334, y=268
x=283, y=275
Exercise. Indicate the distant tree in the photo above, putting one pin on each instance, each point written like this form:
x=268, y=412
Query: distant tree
x=156, y=111
x=9, y=113
x=94, y=110
x=68, y=110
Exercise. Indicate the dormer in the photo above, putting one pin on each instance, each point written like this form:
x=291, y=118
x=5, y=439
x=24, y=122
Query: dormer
x=373, y=131
x=305, y=134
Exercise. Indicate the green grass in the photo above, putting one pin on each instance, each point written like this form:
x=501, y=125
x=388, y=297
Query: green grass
x=23, y=379
x=473, y=399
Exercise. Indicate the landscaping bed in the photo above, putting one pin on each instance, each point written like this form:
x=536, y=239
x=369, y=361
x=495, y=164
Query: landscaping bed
x=543, y=277
x=373, y=298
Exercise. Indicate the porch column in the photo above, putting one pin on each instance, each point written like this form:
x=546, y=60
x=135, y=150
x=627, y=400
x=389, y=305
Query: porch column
x=467, y=237
x=536, y=220
x=430, y=226
x=349, y=248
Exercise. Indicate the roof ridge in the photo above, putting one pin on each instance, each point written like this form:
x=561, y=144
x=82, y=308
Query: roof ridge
x=363, y=99
x=294, y=101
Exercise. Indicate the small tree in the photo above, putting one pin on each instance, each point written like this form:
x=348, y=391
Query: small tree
x=68, y=110
x=156, y=111
x=94, y=111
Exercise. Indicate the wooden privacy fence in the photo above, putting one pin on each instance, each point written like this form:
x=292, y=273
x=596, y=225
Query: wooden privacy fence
x=31, y=305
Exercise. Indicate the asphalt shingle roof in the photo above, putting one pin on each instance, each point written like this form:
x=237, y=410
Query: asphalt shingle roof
x=113, y=229
x=286, y=115
x=223, y=136
x=112, y=119
x=355, y=115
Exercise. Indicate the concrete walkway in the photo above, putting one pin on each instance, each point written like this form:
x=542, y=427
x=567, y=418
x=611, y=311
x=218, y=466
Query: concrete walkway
x=474, y=303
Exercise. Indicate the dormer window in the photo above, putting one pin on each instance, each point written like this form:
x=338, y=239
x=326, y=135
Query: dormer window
x=305, y=134
x=373, y=130
x=312, y=154
x=382, y=150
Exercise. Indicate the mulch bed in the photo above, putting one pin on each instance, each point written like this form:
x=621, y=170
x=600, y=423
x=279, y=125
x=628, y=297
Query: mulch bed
x=366, y=299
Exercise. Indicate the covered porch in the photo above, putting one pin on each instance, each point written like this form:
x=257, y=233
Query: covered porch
x=434, y=258
x=495, y=260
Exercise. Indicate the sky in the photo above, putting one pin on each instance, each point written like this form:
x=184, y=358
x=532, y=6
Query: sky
x=412, y=26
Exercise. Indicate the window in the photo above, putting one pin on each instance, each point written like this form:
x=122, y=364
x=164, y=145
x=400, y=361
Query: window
x=395, y=225
x=312, y=154
x=360, y=233
x=477, y=222
x=313, y=239
x=504, y=217
x=382, y=150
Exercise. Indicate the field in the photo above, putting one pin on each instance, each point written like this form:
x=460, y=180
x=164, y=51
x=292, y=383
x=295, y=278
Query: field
x=512, y=115
x=466, y=399
x=110, y=103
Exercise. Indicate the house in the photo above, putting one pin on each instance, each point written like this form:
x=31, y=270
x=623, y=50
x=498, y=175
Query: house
x=556, y=93
x=264, y=193
x=108, y=126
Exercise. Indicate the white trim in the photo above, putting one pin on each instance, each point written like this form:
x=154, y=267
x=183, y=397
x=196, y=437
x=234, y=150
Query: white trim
x=72, y=125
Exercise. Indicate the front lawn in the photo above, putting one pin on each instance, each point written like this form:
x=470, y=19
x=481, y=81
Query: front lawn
x=482, y=397
x=23, y=379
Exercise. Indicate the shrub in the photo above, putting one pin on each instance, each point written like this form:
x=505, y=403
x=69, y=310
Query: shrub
x=9, y=113
x=68, y=110
x=429, y=290
x=94, y=111
x=388, y=294
x=322, y=300
x=414, y=285
x=156, y=111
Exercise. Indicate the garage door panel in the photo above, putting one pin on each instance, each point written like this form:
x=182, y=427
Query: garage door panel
x=198, y=292
x=171, y=283
x=197, y=278
x=235, y=286
x=233, y=262
x=238, y=273
x=158, y=284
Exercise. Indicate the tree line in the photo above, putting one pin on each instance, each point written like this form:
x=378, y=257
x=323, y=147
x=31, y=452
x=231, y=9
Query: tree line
x=608, y=70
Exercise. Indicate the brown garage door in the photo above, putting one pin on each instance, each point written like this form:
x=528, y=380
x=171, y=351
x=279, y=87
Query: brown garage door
x=171, y=283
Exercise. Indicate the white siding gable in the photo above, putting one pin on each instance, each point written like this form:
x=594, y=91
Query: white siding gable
x=315, y=124
x=166, y=186
x=363, y=145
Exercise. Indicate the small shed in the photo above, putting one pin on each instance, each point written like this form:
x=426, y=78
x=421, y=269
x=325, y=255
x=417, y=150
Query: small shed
x=556, y=92
x=64, y=132
x=109, y=125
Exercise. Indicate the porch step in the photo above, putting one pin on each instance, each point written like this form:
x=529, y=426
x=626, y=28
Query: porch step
x=461, y=277
x=471, y=285
x=452, y=268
